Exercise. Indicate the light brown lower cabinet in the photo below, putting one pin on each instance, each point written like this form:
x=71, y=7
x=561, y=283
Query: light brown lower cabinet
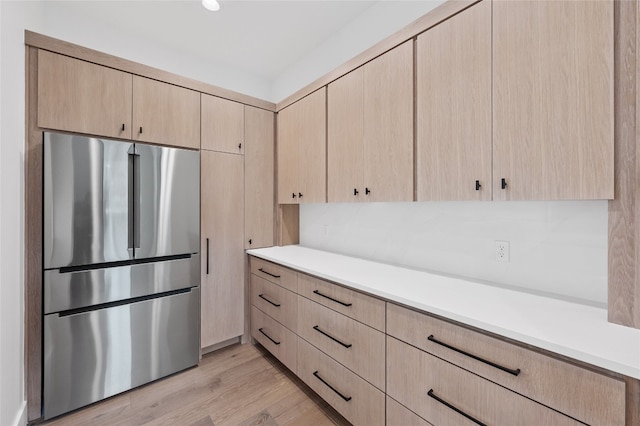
x=353, y=397
x=274, y=337
x=444, y=394
x=399, y=415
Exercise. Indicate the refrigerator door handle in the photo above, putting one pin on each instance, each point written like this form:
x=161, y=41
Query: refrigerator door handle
x=134, y=199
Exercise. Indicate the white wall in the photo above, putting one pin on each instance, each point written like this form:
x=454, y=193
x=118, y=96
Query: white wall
x=555, y=247
x=376, y=23
x=14, y=16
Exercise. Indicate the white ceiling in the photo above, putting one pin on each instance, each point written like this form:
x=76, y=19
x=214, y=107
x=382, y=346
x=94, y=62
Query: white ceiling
x=261, y=37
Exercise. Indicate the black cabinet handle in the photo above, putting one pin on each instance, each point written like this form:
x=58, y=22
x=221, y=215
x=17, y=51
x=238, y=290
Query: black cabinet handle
x=240, y=146
x=346, y=398
x=299, y=194
x=456, y=409
x=478, y=186
x=355, y=191
x=207, y=256
x=268, y=337
x=317, y=328
x=268, y=273
x=250, y=241
x=293, y=195
x=140, y=129
x=367, y=191
x=503, y=183
x=123, y=127
x=477, y=358
x=261, y=296
x=331, y=298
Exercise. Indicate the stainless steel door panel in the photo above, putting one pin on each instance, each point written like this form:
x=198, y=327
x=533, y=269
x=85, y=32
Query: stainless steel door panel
x=85, y=200
x=169, y=206
x=97, y=354
x=72, y=290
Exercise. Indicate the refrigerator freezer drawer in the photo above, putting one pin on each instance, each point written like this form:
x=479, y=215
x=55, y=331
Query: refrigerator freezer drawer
x=73, y=290
x=97, y=354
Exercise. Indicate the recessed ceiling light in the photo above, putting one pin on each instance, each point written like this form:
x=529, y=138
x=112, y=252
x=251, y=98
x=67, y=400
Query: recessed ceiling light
x=212, y=5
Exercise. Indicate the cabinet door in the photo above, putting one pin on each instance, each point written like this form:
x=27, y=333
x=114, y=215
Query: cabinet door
x=259, y=168
x=288, y=130
x=223, y=263
x=82, y=97
x=312, y=153
x=222, y=125
x=388, y=125
x=165, y=114
x=345, y=149
x=553, y=100
x=454, y=108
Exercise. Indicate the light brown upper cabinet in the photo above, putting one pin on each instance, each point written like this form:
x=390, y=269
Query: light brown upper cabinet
x=453, y=108
x=82, y=97
x=222, y=235
x=165, y=114
x=552, y=100
x=222, y=125
x=370, y=130
x=302, y=150
x=259, y=157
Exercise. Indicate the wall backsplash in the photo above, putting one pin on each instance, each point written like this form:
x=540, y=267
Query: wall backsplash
x=555, y=247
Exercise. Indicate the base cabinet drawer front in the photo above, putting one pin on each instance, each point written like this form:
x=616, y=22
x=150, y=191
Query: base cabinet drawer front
x=358, y=347
x=275, y=273
x=590, y=397
x=355, y=399
x=277, y=302
x=444, y=394
x=275, y=338
x=359, y=306
x=398, y=415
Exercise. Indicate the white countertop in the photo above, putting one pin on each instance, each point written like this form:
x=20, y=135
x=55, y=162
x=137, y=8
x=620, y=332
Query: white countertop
x=572, y=329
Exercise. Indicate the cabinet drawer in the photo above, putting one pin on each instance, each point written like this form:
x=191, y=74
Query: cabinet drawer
x=426, y=384
x=361, y=307
x=398, y=415
x=274, y=337
x=587, y=396
x=358, y=401
x=275, y=273
x=277, y=302
x=355, y=345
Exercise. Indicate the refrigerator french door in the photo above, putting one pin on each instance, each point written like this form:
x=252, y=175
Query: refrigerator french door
x=121, y=267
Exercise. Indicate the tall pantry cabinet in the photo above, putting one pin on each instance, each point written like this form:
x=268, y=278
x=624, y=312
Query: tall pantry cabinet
x=237, y=205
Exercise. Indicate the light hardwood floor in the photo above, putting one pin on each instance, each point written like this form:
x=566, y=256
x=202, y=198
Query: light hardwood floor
x=237, y=385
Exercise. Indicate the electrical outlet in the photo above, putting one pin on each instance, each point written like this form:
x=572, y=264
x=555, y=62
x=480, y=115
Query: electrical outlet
x=502, y=251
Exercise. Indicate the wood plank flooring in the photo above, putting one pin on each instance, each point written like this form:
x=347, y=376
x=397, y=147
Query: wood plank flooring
x=238, y=385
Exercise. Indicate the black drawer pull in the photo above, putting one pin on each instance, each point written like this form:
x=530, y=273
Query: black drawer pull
x=261, y=296
x=268, y=337
x=346, y=398
x=268, y=273
x=457, y=410
x=331, y=298
x=477, y=358
x=317, y=328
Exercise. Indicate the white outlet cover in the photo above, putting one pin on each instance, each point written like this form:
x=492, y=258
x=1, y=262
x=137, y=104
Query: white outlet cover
x=502, y=251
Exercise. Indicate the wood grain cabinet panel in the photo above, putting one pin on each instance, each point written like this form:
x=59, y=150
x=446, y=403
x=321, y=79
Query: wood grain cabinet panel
x=165, y=114
x=222, y=125
x=275, y=273
x=361, y=307
x=222, y=233
x=553, y=100
x=275, y=337
x=275, y=301
x=585, y=395
x=259, y=159
x=358, y=347
x=388, y=125
x=358, y=401
x=424, y=383
x=302, y=150
x=82, y=97
x=453, y=102
x=398, y=415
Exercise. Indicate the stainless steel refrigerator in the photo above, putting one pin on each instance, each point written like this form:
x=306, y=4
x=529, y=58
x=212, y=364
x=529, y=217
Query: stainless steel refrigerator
x=121, y=268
